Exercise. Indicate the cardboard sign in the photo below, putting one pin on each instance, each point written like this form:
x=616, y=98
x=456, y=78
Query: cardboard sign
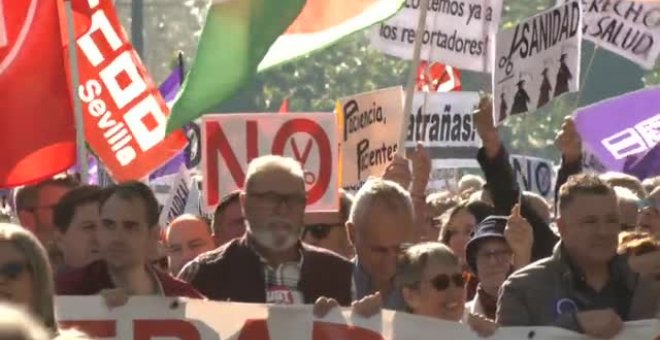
x=230, y=142
x=628, y=28
x=125, y=114
x=370, y=127
x=145, y=318
x=621, y=131
x=537, y=61
x=535, y=174
x=459, y=33
x=178, y=198
x=443, y=123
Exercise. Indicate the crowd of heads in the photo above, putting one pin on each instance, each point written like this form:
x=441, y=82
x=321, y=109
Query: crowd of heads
x=470, y=250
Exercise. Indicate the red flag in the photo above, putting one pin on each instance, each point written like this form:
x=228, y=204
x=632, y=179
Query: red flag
x=284, y=108
x=37, y=129
x=125, y=114
x=437, y=77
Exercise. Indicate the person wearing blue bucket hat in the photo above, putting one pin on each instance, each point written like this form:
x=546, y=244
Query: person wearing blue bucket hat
x=492, y=256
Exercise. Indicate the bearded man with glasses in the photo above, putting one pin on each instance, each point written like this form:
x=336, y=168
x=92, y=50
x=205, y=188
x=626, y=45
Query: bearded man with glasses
x=269, y=264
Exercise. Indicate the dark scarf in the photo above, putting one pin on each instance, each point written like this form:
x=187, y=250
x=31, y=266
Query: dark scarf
x=488, y=302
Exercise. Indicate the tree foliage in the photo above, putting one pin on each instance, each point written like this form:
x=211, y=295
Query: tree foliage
x=313, y=83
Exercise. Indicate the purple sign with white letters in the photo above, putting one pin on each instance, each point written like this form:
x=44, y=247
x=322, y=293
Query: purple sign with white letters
x=624, y=132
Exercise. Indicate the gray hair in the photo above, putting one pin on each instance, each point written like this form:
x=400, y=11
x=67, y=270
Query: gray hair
x=267, y=163
x=625, y=195
x=42, y=274
x=17, y=324
x=382, y=192
x=413, y=260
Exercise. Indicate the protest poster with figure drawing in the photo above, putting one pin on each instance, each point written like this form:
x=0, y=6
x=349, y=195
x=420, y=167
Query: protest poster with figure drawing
x=537, y=60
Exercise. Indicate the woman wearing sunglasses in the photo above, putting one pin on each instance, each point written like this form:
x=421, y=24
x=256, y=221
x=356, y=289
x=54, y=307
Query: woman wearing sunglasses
x=433, y=285
x=25, y=274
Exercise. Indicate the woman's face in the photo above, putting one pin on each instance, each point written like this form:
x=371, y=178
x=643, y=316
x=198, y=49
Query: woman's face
x=459, y=228
x=494, y=263
x=440, y=294
x=15, y=276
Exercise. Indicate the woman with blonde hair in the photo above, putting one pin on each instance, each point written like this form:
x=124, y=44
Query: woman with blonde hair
x=26, y=277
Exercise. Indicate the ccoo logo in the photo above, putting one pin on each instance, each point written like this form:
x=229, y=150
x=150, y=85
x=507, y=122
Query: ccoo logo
x=16, y=18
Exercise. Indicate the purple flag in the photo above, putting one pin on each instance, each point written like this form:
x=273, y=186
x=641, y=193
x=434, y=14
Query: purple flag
x=169, y=89
x=624, y=132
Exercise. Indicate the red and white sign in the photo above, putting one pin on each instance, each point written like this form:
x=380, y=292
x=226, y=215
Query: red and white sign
x=147, y=318
x=230, y=142
x=125, y=115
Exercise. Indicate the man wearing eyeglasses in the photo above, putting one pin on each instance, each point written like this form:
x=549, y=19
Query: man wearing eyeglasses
x=269, y=264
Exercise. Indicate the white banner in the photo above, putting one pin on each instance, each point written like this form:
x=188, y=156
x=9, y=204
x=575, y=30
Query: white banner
x=535, y=174
x=537, y=60
x=444, y=179
x=231, y=141
x=459, y=33
x=370, y=128
x=443, y=123
x=630, y=29
x=145, y=318
x=178, y=198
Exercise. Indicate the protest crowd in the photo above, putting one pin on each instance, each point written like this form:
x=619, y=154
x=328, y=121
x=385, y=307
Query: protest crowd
x=486, y=254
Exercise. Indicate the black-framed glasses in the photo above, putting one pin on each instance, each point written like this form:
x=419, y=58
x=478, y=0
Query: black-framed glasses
x=442, y=281
x=13, y=270
x=274, y=199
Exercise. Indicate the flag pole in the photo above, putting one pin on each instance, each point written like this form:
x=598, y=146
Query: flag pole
x=412, y=76
x=77, y=105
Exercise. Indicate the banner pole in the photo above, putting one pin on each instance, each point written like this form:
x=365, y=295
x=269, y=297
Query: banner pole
x=77, y=105
x=412, y=75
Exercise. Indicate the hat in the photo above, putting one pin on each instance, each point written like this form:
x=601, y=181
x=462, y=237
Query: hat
x=490, y=228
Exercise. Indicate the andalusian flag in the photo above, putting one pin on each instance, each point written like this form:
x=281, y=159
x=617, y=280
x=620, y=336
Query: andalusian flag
x=238, y=33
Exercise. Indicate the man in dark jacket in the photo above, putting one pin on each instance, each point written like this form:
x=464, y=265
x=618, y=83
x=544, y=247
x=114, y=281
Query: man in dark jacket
x=585, y=286
x=269, y=264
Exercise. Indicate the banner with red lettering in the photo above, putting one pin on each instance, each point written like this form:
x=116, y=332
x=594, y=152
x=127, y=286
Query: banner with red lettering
x=146, y=318
x=124, y=113
x=231, y=141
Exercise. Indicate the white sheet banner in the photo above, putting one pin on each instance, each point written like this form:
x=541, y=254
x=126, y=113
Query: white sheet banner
x=537, y=61
x=443, y=123
x=459, y=33
x=630, y=29
x=370, y=128
x=146, y=318
x=231, y=141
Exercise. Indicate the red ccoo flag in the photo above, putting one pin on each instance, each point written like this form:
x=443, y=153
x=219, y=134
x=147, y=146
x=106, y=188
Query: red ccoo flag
x=38, y=128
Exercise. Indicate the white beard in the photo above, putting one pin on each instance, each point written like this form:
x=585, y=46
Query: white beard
x=274, y=239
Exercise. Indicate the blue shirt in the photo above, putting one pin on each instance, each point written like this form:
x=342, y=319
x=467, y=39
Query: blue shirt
x=362, y=287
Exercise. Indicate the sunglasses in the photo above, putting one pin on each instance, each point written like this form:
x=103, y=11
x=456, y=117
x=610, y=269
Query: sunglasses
x=442, y=281
x=12, y=270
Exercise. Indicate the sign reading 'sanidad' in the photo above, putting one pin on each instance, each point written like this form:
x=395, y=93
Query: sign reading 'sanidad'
x=459, y=33
x=370, y=125
x=231, y=141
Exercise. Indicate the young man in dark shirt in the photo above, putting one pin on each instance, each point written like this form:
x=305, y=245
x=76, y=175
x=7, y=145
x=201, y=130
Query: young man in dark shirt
x=128, y=229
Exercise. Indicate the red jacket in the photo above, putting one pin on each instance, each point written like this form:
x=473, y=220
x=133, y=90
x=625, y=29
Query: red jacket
x=93, y=278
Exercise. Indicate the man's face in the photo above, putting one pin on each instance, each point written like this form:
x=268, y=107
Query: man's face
x=78, y=245
x=378, y=242
x=185, y=240
x=589, y=227
x=124, y=235
x=230, y=224
x=274, y=207
x=327, y=230
x=628, y=215
x=48, y=197
x=494, y=263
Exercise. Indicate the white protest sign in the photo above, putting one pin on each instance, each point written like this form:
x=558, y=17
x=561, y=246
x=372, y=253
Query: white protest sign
x=443, y=122
x=370, y=125
x=537, y=60
x=535, y=174
x=145, y=318
x=459, y=33
x=231, y=141
x=630, y=29
x=176, y=202
x=444, y=179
